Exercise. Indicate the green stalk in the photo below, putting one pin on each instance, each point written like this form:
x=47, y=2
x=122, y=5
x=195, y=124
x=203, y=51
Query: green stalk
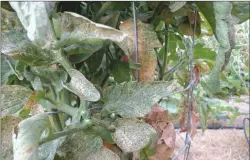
x=55, y=117
x=165, y=58
x=78, y=128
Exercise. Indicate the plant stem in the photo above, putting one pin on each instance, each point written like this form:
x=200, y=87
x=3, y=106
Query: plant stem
x=165, y=58
x=77, y=128
x=55, y=117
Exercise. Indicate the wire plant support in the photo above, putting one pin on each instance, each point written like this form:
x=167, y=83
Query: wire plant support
x=189, y=88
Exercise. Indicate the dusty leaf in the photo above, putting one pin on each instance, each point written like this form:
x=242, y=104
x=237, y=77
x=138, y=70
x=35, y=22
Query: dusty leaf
x=132, y=134
x=13, y=98
x=16, y=44
x=26, y=138
x=133, y=99
x=34, y=17
x=147, y=41
x=80, y=145
x=78, y=29
x=103, y=154
x=47, y=151
x=6, y=70
x=7, y=125
x=81, y=86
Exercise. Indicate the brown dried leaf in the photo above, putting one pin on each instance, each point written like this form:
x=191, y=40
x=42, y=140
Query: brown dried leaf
x=147, y=41
x=168, y=136
x=158, y=118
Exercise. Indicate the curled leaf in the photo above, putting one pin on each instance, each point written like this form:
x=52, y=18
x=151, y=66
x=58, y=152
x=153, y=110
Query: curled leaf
x=26, y=138
x=34, y=17
x=132, y=134
x=78, y=29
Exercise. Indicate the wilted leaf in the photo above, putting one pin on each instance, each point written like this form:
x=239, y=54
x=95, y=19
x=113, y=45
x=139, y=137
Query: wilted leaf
x=225, y=34
x=132, y=134
x=81, y=86
x=26, y=138
x=158, y=118
x=13, y=98
x=80, y=146
x=34, y=17
x=147, y=41
x=78, y=29
x=134, y=99
x=7, y=125
x=103, y=154
x=16, y=44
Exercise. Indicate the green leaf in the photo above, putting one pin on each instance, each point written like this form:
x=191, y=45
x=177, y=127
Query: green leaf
x=120, y=71
x=7, y=125
x=133, y=99
x=34, y=17
x=203, y=53
x=79, y=53
x=16, y=44
x=132, y=134
x=80, y=86
x=26, y=138
x=241, y=10
x=78, y=29
x=80, y=145
x=208, y=11
x=111, y=6
x=111, y=20
x=225, y=36
x=13, y=98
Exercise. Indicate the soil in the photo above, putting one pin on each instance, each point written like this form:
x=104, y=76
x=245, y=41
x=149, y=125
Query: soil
x=220, y=144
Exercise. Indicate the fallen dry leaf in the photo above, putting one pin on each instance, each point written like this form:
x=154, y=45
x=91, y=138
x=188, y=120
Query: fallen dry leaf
x=158, y=118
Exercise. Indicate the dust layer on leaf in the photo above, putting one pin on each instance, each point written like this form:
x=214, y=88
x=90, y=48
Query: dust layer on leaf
x=7, y=125
x=133, y=99
x=13, y=98
x=132, y=134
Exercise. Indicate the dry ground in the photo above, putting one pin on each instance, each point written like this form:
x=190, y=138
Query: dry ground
x=222, y=144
